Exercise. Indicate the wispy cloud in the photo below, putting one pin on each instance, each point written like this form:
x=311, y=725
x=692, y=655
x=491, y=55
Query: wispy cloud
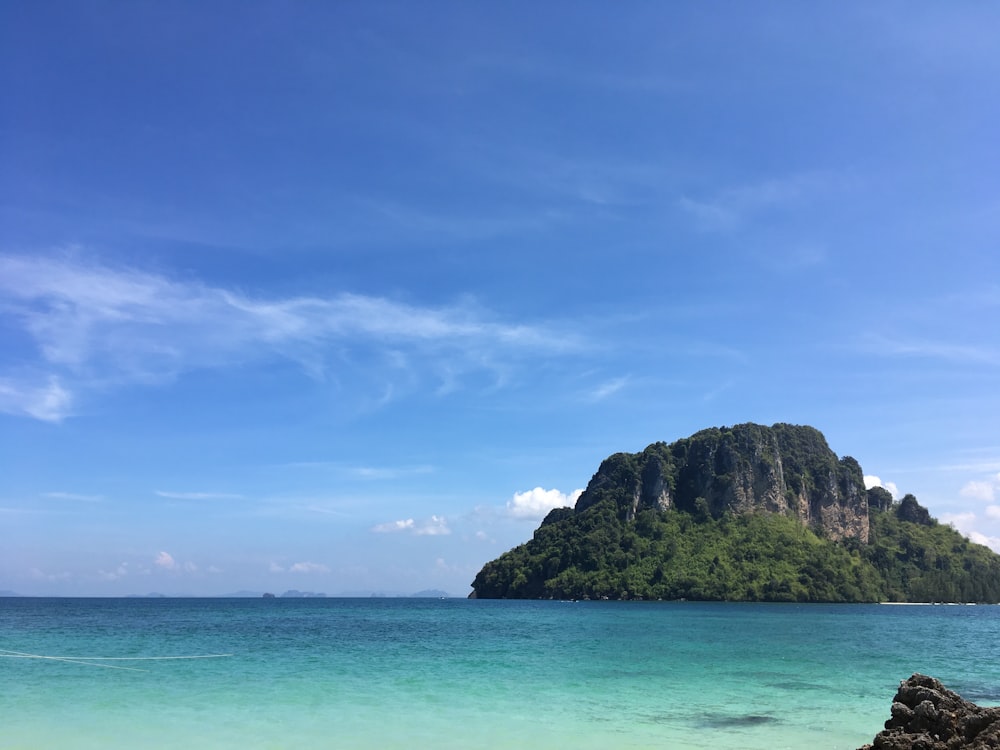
x=388, y=472
x=97, y=326
x=374, y=473
x=718, y=390
x=606, y=389
x=456, y=227
x=975, y=464
x=433, y=526
x=730, y=208
x=74, y=496
x=47, y=400
x=199, y=495
x=113, y=575
x=41, y=575
x=308, y=567
x=961, y=354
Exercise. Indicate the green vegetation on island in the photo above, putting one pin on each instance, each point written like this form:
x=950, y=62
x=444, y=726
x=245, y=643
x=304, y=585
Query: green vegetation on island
x=747, y=513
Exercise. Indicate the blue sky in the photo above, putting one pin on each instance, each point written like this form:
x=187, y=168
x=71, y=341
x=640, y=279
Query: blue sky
x=345, y=296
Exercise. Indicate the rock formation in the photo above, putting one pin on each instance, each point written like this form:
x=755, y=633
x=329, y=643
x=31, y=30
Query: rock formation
x=787, y=469
x=743, y=513
x=928, y=716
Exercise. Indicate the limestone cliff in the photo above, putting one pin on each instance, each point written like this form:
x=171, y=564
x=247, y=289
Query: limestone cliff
x=748, y=468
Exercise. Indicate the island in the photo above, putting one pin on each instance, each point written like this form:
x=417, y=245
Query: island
x=742, y=513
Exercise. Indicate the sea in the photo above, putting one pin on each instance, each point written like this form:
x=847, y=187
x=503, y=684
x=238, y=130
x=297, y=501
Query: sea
x=450, y=674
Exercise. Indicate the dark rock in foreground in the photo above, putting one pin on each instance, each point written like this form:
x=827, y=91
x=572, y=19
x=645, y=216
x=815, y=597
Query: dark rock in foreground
x=928, y=716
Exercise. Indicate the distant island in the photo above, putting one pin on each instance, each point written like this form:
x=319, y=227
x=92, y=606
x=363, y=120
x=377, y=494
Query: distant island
x=290, y=594
x=430, y=594
x=425, y=594
x=743, y=513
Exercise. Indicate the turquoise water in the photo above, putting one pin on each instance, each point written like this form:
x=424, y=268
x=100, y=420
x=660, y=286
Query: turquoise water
x=406, y=673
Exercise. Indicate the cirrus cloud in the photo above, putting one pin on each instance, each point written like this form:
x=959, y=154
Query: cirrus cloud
x=198, y=495
x=95, y=326
x=42, y=398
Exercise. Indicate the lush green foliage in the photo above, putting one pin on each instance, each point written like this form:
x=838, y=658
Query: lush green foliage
x=754, y=557
x=927, y=561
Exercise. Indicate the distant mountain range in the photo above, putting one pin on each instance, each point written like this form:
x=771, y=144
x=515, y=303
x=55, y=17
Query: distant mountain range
x=290, y=594
x=364, y=594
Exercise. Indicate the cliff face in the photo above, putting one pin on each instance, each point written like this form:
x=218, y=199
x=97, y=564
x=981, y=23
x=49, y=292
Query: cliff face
x=748, y=468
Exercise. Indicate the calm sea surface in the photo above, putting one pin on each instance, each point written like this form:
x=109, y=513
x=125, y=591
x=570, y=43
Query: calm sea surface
x=411, y=673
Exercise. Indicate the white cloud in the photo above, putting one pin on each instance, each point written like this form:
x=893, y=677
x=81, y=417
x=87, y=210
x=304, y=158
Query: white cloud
x=535, y=504
x=393, y=526
x=986, y=490
x=993, y=542
x=97, y=326
x=978, y=491
x=276, y=568
x=308, y=567
x=961, y=521
x=873, y=481
x=166, y=561
x=433, y=526
x=967, y=522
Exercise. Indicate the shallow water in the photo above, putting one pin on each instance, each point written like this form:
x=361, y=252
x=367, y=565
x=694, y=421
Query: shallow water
x=411, y=673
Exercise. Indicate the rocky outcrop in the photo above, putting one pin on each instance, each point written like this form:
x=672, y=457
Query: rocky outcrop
x=787, y=469
x=928, y=716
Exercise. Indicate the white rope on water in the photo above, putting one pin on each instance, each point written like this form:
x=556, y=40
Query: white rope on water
x=93, y=661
